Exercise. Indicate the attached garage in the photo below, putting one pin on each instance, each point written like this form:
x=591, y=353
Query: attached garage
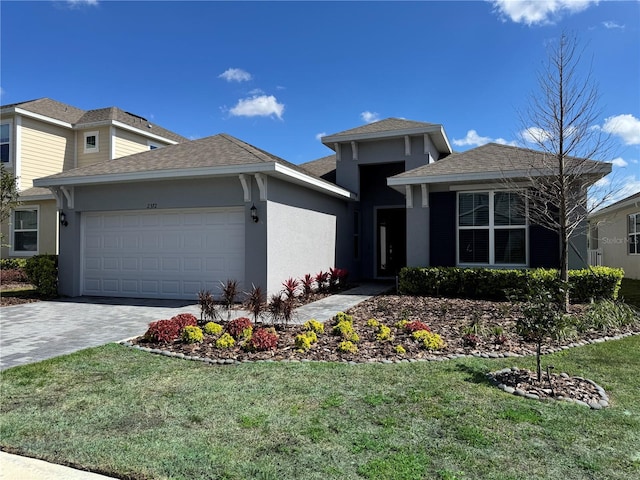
x=161, y=253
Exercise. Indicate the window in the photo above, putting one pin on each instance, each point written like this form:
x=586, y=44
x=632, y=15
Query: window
x=153, y=145
x=5, y=142
x=634, y=234
x=25, y=231
x=91, y=142
x=492, y=228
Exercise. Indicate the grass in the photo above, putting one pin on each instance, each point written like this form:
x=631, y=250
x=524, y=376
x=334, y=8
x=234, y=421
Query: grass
x=630, y=291
x=130, y=414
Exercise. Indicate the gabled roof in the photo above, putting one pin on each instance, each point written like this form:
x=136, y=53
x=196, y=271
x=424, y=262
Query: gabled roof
x=218, y=155
x=390, y=128
x=629, y=201
x=324, y=167
x=492, y=162
x=78, y=118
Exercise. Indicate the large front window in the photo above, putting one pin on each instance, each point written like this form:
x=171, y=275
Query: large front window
x=5, y=142
x=25, y=231
x=634, y=234
x=492, y=228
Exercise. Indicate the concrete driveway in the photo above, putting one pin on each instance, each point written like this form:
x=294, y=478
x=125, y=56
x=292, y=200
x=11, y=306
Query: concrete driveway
x=36, y=331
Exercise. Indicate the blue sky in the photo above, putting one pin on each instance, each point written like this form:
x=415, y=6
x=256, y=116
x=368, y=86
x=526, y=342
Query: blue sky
x=278, y=75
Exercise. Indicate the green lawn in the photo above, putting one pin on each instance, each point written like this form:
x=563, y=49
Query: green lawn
x=131, y=414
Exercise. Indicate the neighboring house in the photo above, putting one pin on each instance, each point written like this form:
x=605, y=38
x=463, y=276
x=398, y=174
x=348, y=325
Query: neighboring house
x=169, y=223
x=614, y=236
x=43, y=137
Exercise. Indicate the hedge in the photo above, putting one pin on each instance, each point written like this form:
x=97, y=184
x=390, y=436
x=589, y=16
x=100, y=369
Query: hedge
x=42, y=272
x=499, y=284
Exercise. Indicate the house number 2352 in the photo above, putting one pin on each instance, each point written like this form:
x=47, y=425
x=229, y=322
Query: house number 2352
x=152, y=205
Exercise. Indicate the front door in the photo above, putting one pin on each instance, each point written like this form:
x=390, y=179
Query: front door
x=391, y=240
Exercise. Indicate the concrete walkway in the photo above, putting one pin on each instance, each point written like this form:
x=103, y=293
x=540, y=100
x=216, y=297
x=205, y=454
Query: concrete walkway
x=36, y=331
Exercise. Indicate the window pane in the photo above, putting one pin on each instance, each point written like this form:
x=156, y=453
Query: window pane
x=508, y=209
x=510, y=246
x=474, y=209
x=474, y=246
x=26, y=220
x=25, y=241
x=91, y=141
x=4, y=133
x=4, y=153
x=634, y=244
x=632, y=226
x=637, y=216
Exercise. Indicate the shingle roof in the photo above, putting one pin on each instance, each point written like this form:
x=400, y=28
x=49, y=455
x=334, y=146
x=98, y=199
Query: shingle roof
x=78, y=117
x=324, y=167
x=494, y=159
x=25, y=195
x=216, y=151
x=386, y=125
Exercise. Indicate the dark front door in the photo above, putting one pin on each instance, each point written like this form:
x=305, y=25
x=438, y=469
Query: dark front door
x=391, y=240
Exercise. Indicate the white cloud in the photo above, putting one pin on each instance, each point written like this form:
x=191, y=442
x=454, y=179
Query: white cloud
x=80, y=3
x=256, y=91
x=619, y=162
x=258, y=106
x=535, y=135
x=473, y=139
x=369, y=117
x=532, y=12
x=320, y=135
x=235, y=75
x=624, y=126
x=611, y=25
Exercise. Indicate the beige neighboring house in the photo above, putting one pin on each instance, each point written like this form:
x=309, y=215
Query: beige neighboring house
x=44, y=137
x=614, y=236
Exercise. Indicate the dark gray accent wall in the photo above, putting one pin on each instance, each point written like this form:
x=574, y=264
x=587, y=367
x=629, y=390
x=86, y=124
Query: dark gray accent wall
x=442, y=229
x=418, y=231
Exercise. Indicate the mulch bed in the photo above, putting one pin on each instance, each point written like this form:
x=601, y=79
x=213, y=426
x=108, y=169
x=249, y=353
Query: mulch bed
x=8, y=297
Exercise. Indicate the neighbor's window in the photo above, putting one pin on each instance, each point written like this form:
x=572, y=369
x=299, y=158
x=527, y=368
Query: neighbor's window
x=5, y=142
x=491, y=228
x=634, y=234
x=91, y=142
x=25, y=231
x=153, y=145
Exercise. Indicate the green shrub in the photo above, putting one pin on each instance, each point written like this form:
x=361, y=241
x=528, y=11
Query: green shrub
x=12, y=263
x=42, y=272
x=503, y=284
x=212, y=328
x=314, y=326
x=429, y=340
x=305, y=340
x=341, y=316
x=607, y=315
x=225, y=341
x=192, y=334
x=384, y=333
x=347, y=347
x=400, y=350
x=373, y=323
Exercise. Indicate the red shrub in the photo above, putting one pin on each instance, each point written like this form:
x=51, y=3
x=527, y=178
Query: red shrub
x=291, y=287
x=415, y=326
x=237, y=326
x=11, y=275
x=262, y=340
x=307, y=284
x=184, y=319
x=163, y=331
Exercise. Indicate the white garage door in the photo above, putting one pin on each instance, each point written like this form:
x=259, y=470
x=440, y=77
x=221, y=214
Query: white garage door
x=161, y=253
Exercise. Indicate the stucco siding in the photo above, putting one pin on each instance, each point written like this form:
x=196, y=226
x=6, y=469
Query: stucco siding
x=613, y=241
x=45, y=149
x=299, y=241
x=104, y=147
x=128, y=143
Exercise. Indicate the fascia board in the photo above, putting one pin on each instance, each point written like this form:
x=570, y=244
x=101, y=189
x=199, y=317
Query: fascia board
x=374, y=136
x=124, y=126
x=37, y=116
x=312, y=182
x=632, y=202
x=154, y=175
x=36, y=198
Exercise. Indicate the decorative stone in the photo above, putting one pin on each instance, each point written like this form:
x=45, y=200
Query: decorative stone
x=531, y=396
x=509, y=389
x=520, y=393
x=603, y=402
x=595, y=405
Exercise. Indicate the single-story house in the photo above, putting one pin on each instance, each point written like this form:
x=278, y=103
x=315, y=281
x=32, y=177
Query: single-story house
x=170, y=222
x=614, y=236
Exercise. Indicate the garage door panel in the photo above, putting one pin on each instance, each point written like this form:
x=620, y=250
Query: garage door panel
x=162, y=254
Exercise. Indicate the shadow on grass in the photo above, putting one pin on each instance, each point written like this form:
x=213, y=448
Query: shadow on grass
x=473, y=374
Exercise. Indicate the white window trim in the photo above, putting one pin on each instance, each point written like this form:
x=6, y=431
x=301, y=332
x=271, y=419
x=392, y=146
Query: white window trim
x=153, y=145
x=22, y=253
x=634, y=233
x=11, y=141
x=492, y=228
x=95, y=149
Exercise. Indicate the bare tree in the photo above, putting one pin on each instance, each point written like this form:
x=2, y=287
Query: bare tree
x=9, y=193
x=561, y=122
